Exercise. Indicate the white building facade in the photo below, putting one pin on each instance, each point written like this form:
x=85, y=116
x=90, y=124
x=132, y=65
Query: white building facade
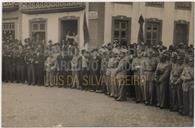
x=169, y=22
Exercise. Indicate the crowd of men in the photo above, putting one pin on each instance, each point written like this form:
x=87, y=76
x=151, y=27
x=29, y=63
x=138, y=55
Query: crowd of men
x=162, y=76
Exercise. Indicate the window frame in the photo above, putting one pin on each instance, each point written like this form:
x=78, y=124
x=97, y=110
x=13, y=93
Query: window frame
x=128, y=29
x=38, y=20
x=183, y=7
x=149, y=4
x=157, y=21
x=11, y=25
x=127, y=3
x=174, y=31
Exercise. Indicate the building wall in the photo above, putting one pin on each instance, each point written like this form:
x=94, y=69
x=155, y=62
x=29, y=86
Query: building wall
x=52, y=24
x=96, y=25
x=14, y=16
x=100, y=29
x=168, y=14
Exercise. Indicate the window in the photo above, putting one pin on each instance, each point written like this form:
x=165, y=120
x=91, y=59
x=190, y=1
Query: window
x=155, y=4
x=38, y=30
x=183, y=5
x=121, y=32
x=181, y=31
x=128, y=3
x=153, y=32
x=8, y=31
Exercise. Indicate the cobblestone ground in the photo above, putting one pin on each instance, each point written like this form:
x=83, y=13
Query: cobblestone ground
x=35, y=106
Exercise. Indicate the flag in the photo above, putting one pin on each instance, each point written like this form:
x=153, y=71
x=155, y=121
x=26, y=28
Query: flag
x=141, y=33
x=85, y=30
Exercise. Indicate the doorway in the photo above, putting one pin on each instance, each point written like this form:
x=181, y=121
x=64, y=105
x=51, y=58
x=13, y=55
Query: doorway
x=68, y=27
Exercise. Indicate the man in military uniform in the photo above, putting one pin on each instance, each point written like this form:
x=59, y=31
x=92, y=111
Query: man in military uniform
x=108, y=72
x=29, y=59
x=12, y=59
x=66, y=64
x=95, y=69
x=75, y=69
x=176, y=71
x=83, y=69
x=20, y=64
x=149, y=66
x=104, y=65
x=39, y=66
x=4, y=62
x=137, y=68
x=162, y=75
x=187, y=77
x=50, y=66
x=113, y=81
x=121, y=73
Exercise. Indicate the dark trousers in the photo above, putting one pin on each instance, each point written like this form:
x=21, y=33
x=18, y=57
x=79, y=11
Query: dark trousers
x=163, y=92
x=185, y=103
x=20, y=73
x=11, y=72
x=121, y=89
x=103, y=81
x=173, y=97
x=98, y=82
x=31, y=74
x=180, y=97
x=6, y=72
x=138, y=93
x=83, y=76
x=39, y=74
x=151, y=92
x=67, y=78
x=191, y=101
x=3, y=69
x=157, y=95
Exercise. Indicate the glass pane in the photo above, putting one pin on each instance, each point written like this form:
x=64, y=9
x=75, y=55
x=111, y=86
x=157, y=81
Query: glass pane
x=148, y=35
x=154, y=35
x=155, y=28
x=123, y=34
x=148, y=27
x=116, y=24
x=124, y=25
x=42, y=26
x=34, y=26
x=116, y=34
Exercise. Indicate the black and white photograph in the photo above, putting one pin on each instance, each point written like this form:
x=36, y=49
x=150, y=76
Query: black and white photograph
x=97, y=64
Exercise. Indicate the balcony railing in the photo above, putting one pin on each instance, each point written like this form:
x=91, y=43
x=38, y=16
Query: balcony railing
x=155, y=4
x=42, y=5
x=10, y=6
x=183, y=5
x=50, y=7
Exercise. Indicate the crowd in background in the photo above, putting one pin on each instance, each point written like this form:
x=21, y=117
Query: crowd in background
x=168, y=72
